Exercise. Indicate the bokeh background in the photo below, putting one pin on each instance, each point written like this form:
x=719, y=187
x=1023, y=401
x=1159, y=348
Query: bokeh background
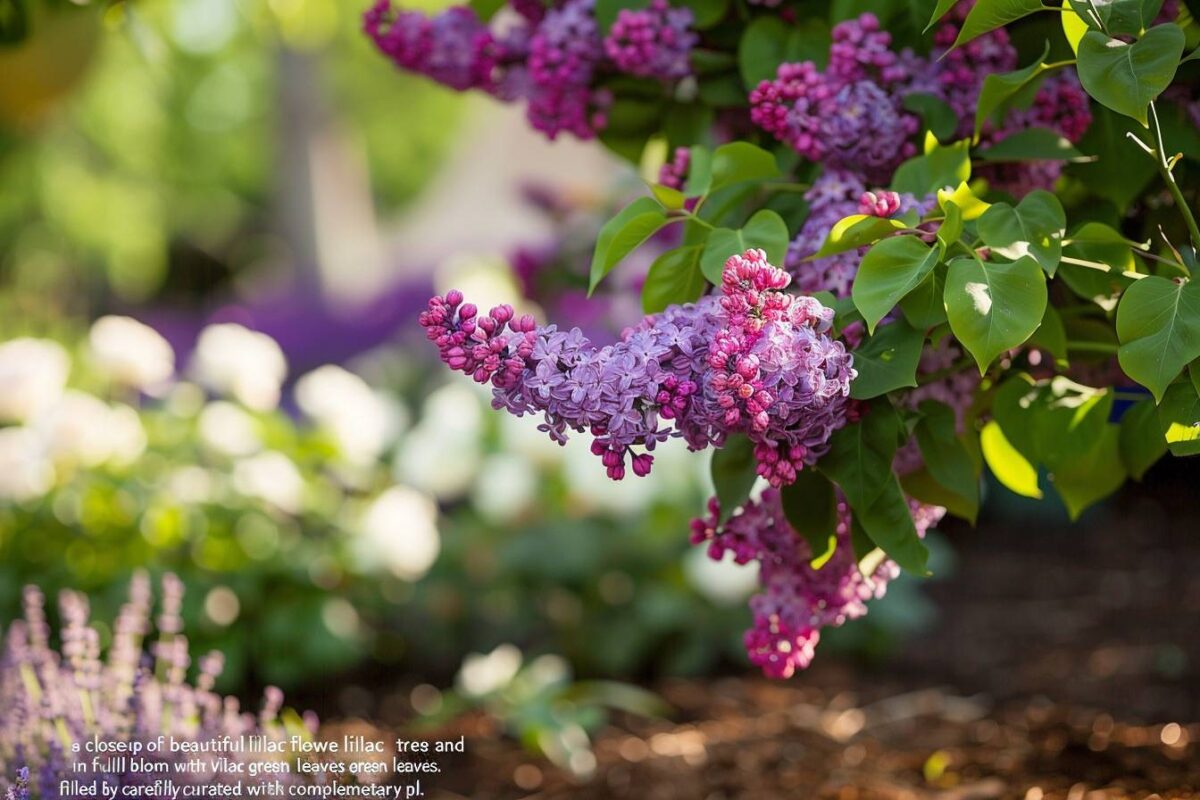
x=219, y=220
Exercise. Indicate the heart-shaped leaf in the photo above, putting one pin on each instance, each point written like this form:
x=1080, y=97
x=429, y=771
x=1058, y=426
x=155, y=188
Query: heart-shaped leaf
x=1158, y=323
x=1000, y=88
x=622, y=234
x=993, y=307
x=1034, y=228
x=887, y=360
x=888, y=272
x=1127, y=77
x=987, y=15
x=674, y=277
x=765, y=230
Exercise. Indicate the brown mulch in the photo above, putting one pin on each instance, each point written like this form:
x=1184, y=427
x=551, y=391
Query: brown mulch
x=753, y=740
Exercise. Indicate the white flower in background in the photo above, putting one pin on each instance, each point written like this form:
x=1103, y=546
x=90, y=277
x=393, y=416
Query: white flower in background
x=244, y=364
x=441, y=454
x=33, y=374
x=126, y=436
x=521, y=435
x=131, y=353
x=272, y=478
x=361, y=421
x=480, y=674
x=190, y=485
x=724, y=582
x=82, y=428
x=399, y=532
x=25, y=472
x=228, y=429
x=507, y=485
x=488, y=281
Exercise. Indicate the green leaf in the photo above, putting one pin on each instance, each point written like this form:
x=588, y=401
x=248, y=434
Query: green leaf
x=1158, y=324
x=705, y=13
x=810, y=506
x=671, y=199
x=1051, y=336
x=946, y=458
x=607, y=10
x=941, y=167
x=1008, y=465
x=674, y=277
x=888, y=272
x=924, y=307
x=1053, y=423
x=1089, y=479
x=970, y=205
x=935, y=112
x=738, y=162
x=14, y=21
x=921, y=485
x=994, y=307
x=1117, y=174
x=887, y=361
x=1097, y=242
x=1127, y=77
x=1032, y=144
x=889, y=523
x=1142, y=440
x=622, y=234
x=999, y=89
x=768, y=41
x=734, y=471
x=951, y=228
x=987, y=15
x=1118, y=16
x=1034, y=228
x=855, y=231
x=765, y=230
x=699, y=171
x=1179, y=419
x=486, y=9
x=942, y=9
x=860, y=455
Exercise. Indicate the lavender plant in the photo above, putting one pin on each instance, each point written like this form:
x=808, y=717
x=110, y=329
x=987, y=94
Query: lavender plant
x=915, y=183
x=60, y=701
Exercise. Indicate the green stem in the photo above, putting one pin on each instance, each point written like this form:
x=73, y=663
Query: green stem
x=1165, y=169
x=1096, y=265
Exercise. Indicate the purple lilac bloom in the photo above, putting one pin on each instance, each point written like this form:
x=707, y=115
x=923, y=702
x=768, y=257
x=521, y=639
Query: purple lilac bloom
x=54, y=698
x=654, y=42
x=453, y=48
x=755, y=360
x=674, y=173
x=797, y=600
x=850, y=116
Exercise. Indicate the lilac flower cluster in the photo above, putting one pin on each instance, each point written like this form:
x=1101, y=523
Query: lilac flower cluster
x=54, y=698
x=797, y=600
x=552, y=58
x=851, y=117
x=674, y=173
x=755, y=360
x=654, y=42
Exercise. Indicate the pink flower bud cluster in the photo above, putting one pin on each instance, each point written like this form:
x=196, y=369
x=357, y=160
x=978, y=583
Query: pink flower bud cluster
x=754, y=361
x=654, y=42
x=879, y=203
x=552, y=58
x=797, y=600
x=674, y=173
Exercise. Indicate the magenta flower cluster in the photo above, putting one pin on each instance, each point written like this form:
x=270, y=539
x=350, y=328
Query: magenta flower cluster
x=55, y=697
x=551, y=58
x=754, y=360
x=851, y=117
x=654, y=42
x=797, y=599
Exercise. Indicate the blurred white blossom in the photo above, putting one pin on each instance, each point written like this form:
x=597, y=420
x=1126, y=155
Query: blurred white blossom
x=131, y=353
x=228, y=429
x=441, y=454
x=271, y=477
x=81, y=428
x=482, y=674
x=33, y=374
x=25, y=472
x=361, y=421
x=724, y=582
x=399, y=532
x=507, y=485
x=244, y=364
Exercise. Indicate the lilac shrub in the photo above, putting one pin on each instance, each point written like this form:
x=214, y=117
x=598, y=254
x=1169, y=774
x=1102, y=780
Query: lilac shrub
x=56, y=700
